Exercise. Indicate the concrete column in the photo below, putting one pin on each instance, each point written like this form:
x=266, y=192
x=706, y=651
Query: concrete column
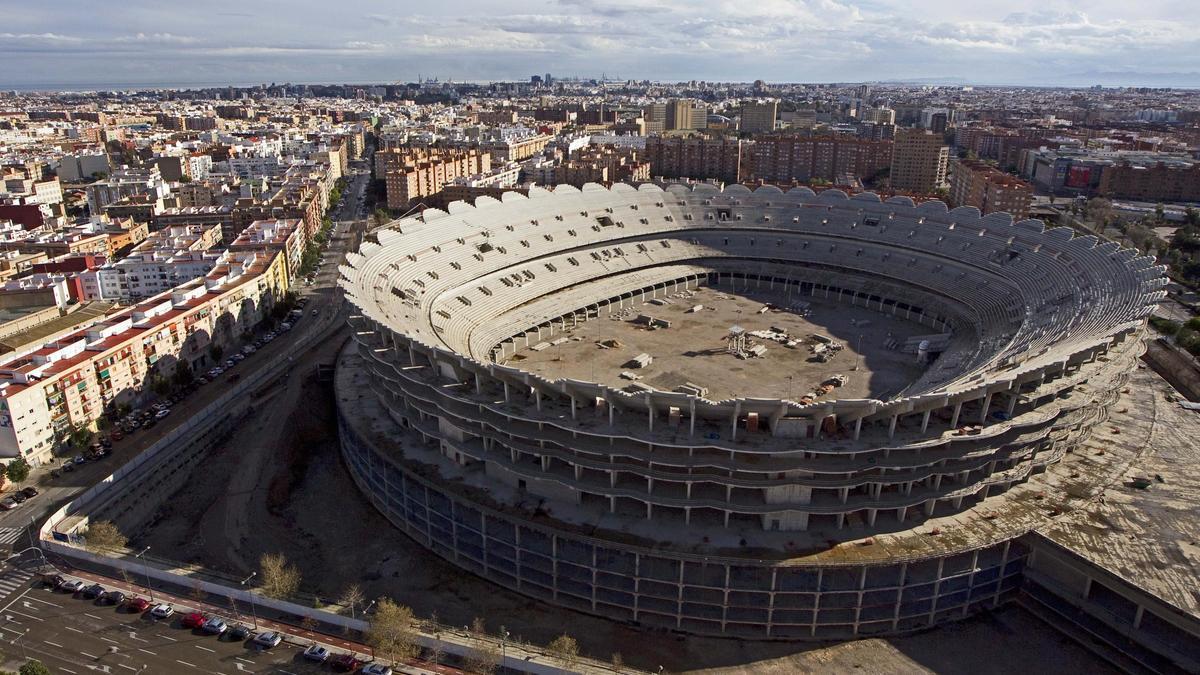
x=537, y=395
x=892, y=426
x=957, y=412
x=1012, y=401
x=506, y=391
x=925, y=421
x=572, y=407
x=871, y=513
x=692, y=418
x=987, y=402
x=857, y=427
x=737, y=411
x=478, y=384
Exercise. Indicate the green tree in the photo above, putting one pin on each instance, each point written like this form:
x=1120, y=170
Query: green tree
x=183, y=375
x=17, y=470
x=34, y=667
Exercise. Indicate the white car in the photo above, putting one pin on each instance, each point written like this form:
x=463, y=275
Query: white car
x=376, y=669
x=162, y=413
x=162, y=611
x=73, y=586
x=268, y=640
x=316, y=653
x=214, y=626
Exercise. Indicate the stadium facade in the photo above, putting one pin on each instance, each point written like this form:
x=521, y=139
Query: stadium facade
x=755, y=517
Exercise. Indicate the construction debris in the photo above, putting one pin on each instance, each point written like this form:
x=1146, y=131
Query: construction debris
x=640, y=361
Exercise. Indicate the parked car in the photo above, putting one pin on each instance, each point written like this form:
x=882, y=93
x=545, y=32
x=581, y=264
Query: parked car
x=53, y=580
x=68, y=467
x=316, y=653
x=344, y=663
x=92, y=592
x=162, y=611
x=106, y=442
x=194, y=620
x=18, y=497
x=9, y=504
x=229, y=363
x=117, y=435
x=79, y=459
x=239, y=632
x=30, y=492
x=215, y=626
x=268, y=639
x=376, y=669
x=136, y=604
x=72, y=585
x=162, y=413
x=113, y=598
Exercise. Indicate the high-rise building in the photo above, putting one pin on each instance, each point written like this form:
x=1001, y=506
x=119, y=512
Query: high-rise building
x=978, y=184
x=696, y=157
x=655, y=116
x=758, y=118
x=783, y=159
x=918, y=161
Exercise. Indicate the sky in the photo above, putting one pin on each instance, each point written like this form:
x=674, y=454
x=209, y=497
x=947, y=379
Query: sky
x=1032, y=42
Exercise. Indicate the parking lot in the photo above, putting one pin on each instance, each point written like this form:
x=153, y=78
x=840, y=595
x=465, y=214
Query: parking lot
x=73, y=631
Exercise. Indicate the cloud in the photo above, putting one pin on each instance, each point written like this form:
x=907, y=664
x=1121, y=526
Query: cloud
x=778, y=40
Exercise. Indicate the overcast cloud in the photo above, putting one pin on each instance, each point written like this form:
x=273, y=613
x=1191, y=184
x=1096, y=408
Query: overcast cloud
x=71, y=42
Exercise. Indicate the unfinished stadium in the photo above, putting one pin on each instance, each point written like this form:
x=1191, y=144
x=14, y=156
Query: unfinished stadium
x=767, y=414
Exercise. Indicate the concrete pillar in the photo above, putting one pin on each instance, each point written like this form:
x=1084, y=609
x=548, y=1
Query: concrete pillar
x=726, y=519
x=478, y=384
x=957, y=412
x=692, y=418
x=925, y=421
x=892, y=426
x=537, y=396
x=929, y=504
x=857, y=427
x=1012, y=401
x=737, y=411
x=901, y=513
x=506, y=391
x=987, y=402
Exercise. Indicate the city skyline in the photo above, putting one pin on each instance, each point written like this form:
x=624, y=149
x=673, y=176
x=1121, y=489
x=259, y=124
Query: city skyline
x=1025, y=43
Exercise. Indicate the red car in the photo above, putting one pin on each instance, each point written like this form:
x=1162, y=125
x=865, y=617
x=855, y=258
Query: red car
x=136, y=604
x=345, y=663
x=194, y=620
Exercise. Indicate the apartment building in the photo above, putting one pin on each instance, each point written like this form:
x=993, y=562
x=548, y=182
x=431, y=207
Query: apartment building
x=604, y=165
x=74, y=380
x=1152, y=181
x=516, y=149
x=919, y=161
x=759, y=117
x=784, y=159
x=978, y=184
x=696, y=157
x=426, y=171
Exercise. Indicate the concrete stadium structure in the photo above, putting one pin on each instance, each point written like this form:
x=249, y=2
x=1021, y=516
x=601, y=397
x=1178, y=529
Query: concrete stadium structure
x=761, y=517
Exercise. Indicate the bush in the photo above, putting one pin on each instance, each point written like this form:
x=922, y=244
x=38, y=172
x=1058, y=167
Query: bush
x=103, y=535
x=1164, y=326
x=34, y=668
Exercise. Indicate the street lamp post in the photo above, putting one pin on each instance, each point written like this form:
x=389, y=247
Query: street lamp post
x=253, y=611
x=366, y=611
x=146, y=569
x=503, y=645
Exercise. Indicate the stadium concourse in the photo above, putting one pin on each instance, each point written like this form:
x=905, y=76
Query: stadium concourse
x=766, y=510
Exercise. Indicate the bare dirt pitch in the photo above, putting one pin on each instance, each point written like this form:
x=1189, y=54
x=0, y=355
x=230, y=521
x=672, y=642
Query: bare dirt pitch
x=695, y=347
x=280, y=486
